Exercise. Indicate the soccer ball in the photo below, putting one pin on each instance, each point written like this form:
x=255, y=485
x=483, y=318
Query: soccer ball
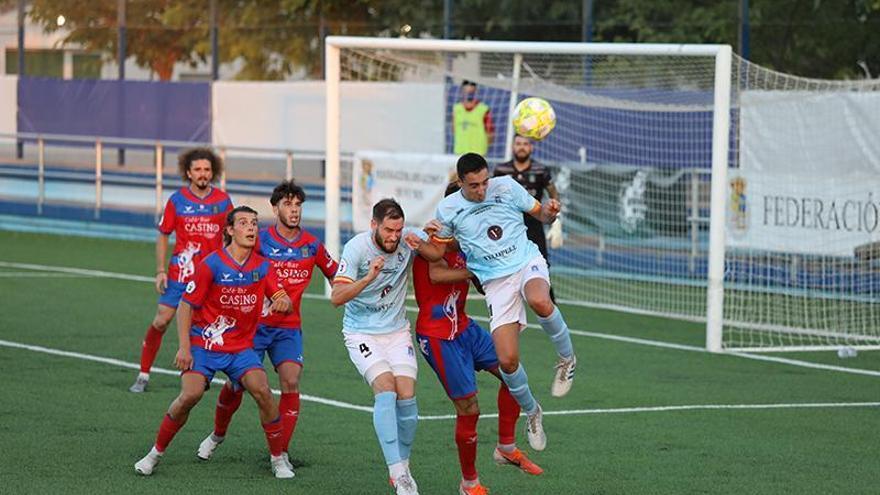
x=534, y=118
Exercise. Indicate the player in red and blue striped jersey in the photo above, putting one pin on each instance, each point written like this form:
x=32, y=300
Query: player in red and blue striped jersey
x=455, y=347
x=294, y=253
x=195, y=214
x=216, y=326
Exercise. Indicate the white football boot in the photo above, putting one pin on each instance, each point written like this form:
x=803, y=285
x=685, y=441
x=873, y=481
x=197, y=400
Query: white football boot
x=146, y=465
x=564, y=376
x=280, y=468
x=208, y=446
x=535, y=430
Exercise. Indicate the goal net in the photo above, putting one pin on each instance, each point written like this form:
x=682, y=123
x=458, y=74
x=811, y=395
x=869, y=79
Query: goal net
x=695, y=185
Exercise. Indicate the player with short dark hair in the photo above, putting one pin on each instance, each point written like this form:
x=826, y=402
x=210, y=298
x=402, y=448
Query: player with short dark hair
x=215, y=327
x=293, y=253
x=371, y=283
x=455, y=347
x=485, y=217
x=195, y=214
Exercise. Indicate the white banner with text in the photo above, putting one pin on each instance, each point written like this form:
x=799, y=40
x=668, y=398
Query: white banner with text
x=416, y=180
x=809, y=176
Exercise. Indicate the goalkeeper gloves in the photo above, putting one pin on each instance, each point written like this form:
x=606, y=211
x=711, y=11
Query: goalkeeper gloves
x=554, y=235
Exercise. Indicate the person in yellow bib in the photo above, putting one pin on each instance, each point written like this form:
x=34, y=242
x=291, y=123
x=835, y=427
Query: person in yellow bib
x=472, y=127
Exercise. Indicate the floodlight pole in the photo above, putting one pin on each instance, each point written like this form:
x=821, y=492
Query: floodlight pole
x=121, y=50
x=215, y=55
x=19, y=144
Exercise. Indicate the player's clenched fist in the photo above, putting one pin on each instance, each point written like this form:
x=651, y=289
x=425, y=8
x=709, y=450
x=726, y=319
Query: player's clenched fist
x=184, y=359
x=432, y=227
x=376, y=266
x=281, y=304
x=412, y=240
x=552, y=208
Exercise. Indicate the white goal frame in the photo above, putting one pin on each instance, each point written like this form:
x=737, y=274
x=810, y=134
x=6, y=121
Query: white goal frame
x=720, y=131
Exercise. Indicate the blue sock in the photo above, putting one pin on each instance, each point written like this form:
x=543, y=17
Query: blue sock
x=407, y=420
x=518, y=383
x=554, y=326
x=385, y=423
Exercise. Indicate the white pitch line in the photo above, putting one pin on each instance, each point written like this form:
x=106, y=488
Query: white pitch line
x=619, y=338
x=689, y=407
x=355, y=407
x=41, y=275
x=162, y=371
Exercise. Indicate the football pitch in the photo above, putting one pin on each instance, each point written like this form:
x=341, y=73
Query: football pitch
x=650, y=411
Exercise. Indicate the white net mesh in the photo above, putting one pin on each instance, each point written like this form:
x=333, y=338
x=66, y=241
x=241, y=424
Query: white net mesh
x=631, y=156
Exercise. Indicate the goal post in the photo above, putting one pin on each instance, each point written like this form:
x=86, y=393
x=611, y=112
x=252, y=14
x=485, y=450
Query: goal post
x=668, y=158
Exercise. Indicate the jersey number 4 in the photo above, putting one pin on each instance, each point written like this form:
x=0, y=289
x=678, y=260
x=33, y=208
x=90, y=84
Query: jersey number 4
x=365, y=350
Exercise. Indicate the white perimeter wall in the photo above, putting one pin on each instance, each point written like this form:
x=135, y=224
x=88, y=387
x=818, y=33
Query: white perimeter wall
x=8, y=104
x=383, y=116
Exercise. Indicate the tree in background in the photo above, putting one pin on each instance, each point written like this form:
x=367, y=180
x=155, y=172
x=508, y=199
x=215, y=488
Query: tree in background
x=275, y=39
x=160, y=32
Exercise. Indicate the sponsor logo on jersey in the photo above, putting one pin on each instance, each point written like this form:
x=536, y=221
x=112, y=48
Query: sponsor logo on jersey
x=500, y=254
x=191, y=287
x=385, y=291
x=213, y=333
x=186, y=260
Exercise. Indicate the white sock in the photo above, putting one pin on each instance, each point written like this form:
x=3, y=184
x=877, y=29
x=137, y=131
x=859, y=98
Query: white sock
x=143, y=376
x=470, y=483
x=216, y=439
x=506, y=447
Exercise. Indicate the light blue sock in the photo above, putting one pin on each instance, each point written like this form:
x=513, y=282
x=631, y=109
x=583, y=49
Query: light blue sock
x=518, y=383
x=407, y=420
x=554, y=326
x=385, y=423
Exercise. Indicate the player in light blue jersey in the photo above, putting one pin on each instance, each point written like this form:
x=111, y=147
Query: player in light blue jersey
x=371, y=282
x=486, y=217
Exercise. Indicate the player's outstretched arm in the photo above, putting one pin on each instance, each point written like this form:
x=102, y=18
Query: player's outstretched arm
x=345, y=290
x=184, y=359
x=440, y=273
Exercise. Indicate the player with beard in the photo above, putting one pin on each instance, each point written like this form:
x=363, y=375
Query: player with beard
x=293, y=253
x=215, y=327
x=195, y=214
x=371, y=283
